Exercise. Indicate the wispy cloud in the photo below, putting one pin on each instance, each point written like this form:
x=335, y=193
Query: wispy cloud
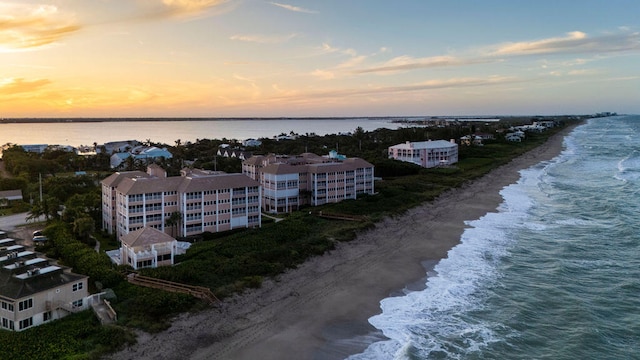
x=13, y=86
x=293, y=8
x=27, y=26
x=404, y=63
x=417, y=87
x=323, y=74
x=575, y=42
x=152, y=10
x=181, y=8
x=263, y=39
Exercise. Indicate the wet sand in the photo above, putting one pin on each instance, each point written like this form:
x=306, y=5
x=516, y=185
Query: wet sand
x=319, y=310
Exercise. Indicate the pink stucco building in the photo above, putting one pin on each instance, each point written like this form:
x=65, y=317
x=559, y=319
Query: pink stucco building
x=204, y=201
x=289, y=182
x=426, y=153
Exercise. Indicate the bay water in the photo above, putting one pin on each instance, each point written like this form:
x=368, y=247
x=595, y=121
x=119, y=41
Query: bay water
x=75, y=133
x=553, y=274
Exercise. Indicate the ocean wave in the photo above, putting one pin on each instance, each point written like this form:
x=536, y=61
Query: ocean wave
x=629, y=167
x=432, y=322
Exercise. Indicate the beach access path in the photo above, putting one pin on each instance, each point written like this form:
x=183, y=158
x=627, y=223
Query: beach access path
x=306, y=312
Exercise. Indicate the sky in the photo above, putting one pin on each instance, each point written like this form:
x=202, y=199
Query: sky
x=322, y=58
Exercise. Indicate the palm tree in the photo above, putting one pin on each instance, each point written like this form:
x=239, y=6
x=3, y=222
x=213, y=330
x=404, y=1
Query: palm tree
x=173, y=221
x=359, y=135
x=37, y=211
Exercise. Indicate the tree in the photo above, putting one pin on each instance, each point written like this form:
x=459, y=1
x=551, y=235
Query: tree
x=83, y=227
x=173, y=221
x=51, y=207
x=37, y=211
x=359, y=135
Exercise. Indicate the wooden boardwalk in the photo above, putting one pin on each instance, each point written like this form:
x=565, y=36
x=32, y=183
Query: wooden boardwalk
x=199, y=292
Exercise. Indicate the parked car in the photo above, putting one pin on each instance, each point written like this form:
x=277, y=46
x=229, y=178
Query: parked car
x=40, y=239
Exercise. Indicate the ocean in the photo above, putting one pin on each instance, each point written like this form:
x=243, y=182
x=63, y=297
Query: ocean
x=553, y=274
x=168, y=132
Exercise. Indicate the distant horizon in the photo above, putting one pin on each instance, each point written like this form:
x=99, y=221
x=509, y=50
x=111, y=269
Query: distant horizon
x=204, y=118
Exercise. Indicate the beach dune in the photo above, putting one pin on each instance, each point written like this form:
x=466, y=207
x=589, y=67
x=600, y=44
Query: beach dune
x=320, y=309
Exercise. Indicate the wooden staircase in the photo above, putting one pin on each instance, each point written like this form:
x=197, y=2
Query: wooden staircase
x=199, y=292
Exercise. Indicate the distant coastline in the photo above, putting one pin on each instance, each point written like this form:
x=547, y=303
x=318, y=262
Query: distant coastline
x=130, y=119
x=413, y=119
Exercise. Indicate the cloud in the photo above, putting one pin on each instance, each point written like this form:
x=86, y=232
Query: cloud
x=404, y=63
x=323, y=74
x=150, y=10
x=264, y=39
x=13, y=86
x=28, y=26
x=575, y=42
x=189, y=7
x=422, y=86
x=293, y=8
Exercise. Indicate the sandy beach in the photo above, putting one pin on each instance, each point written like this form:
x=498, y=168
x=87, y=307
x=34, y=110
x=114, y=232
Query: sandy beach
x=320, y=310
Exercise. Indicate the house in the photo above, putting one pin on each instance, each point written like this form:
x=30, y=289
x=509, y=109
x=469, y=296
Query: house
x=226, y=151
x=118, y=146
x=289, y=182
x=426, y=153
x=141, y=153
x=251, y=143
x=148, y=247
x=7, y=196
x=36, y=148
x=211, y=201
x=33, y=292
x=515, y=136
x=547, y=124
x=475, y=139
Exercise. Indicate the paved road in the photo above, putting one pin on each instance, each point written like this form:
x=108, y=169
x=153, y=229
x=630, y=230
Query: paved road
x=10, y=222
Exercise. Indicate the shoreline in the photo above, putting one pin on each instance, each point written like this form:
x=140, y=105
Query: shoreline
x=321, y=309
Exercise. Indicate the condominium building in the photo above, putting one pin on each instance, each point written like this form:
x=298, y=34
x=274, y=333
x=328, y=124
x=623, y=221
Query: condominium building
x=195, y=202
x=289, y=182
x=426, y=153
x=33, y=292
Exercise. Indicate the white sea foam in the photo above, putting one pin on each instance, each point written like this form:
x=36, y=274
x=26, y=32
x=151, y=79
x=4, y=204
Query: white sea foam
x=629, y=167
x=514, y=284
x=432, y=320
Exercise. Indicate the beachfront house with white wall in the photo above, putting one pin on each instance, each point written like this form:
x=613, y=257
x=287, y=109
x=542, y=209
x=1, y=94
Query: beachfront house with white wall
x=427, y=154
x=34, y=292
x=204, y=201
x=148, y=247
x=289, y=182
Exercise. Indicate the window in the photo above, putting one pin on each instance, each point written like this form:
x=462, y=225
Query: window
x=77, y=303
x=144, y=263
x=7, y=324
x=7, y=306
x=26, y=304
x=164, y=257
x=77, y=286
x=46, y=316
x=25, y=323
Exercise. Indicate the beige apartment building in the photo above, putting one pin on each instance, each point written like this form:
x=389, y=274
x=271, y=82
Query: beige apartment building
x=203, y=201
x=289, y=182
x=426, y=153
x=33, y=292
